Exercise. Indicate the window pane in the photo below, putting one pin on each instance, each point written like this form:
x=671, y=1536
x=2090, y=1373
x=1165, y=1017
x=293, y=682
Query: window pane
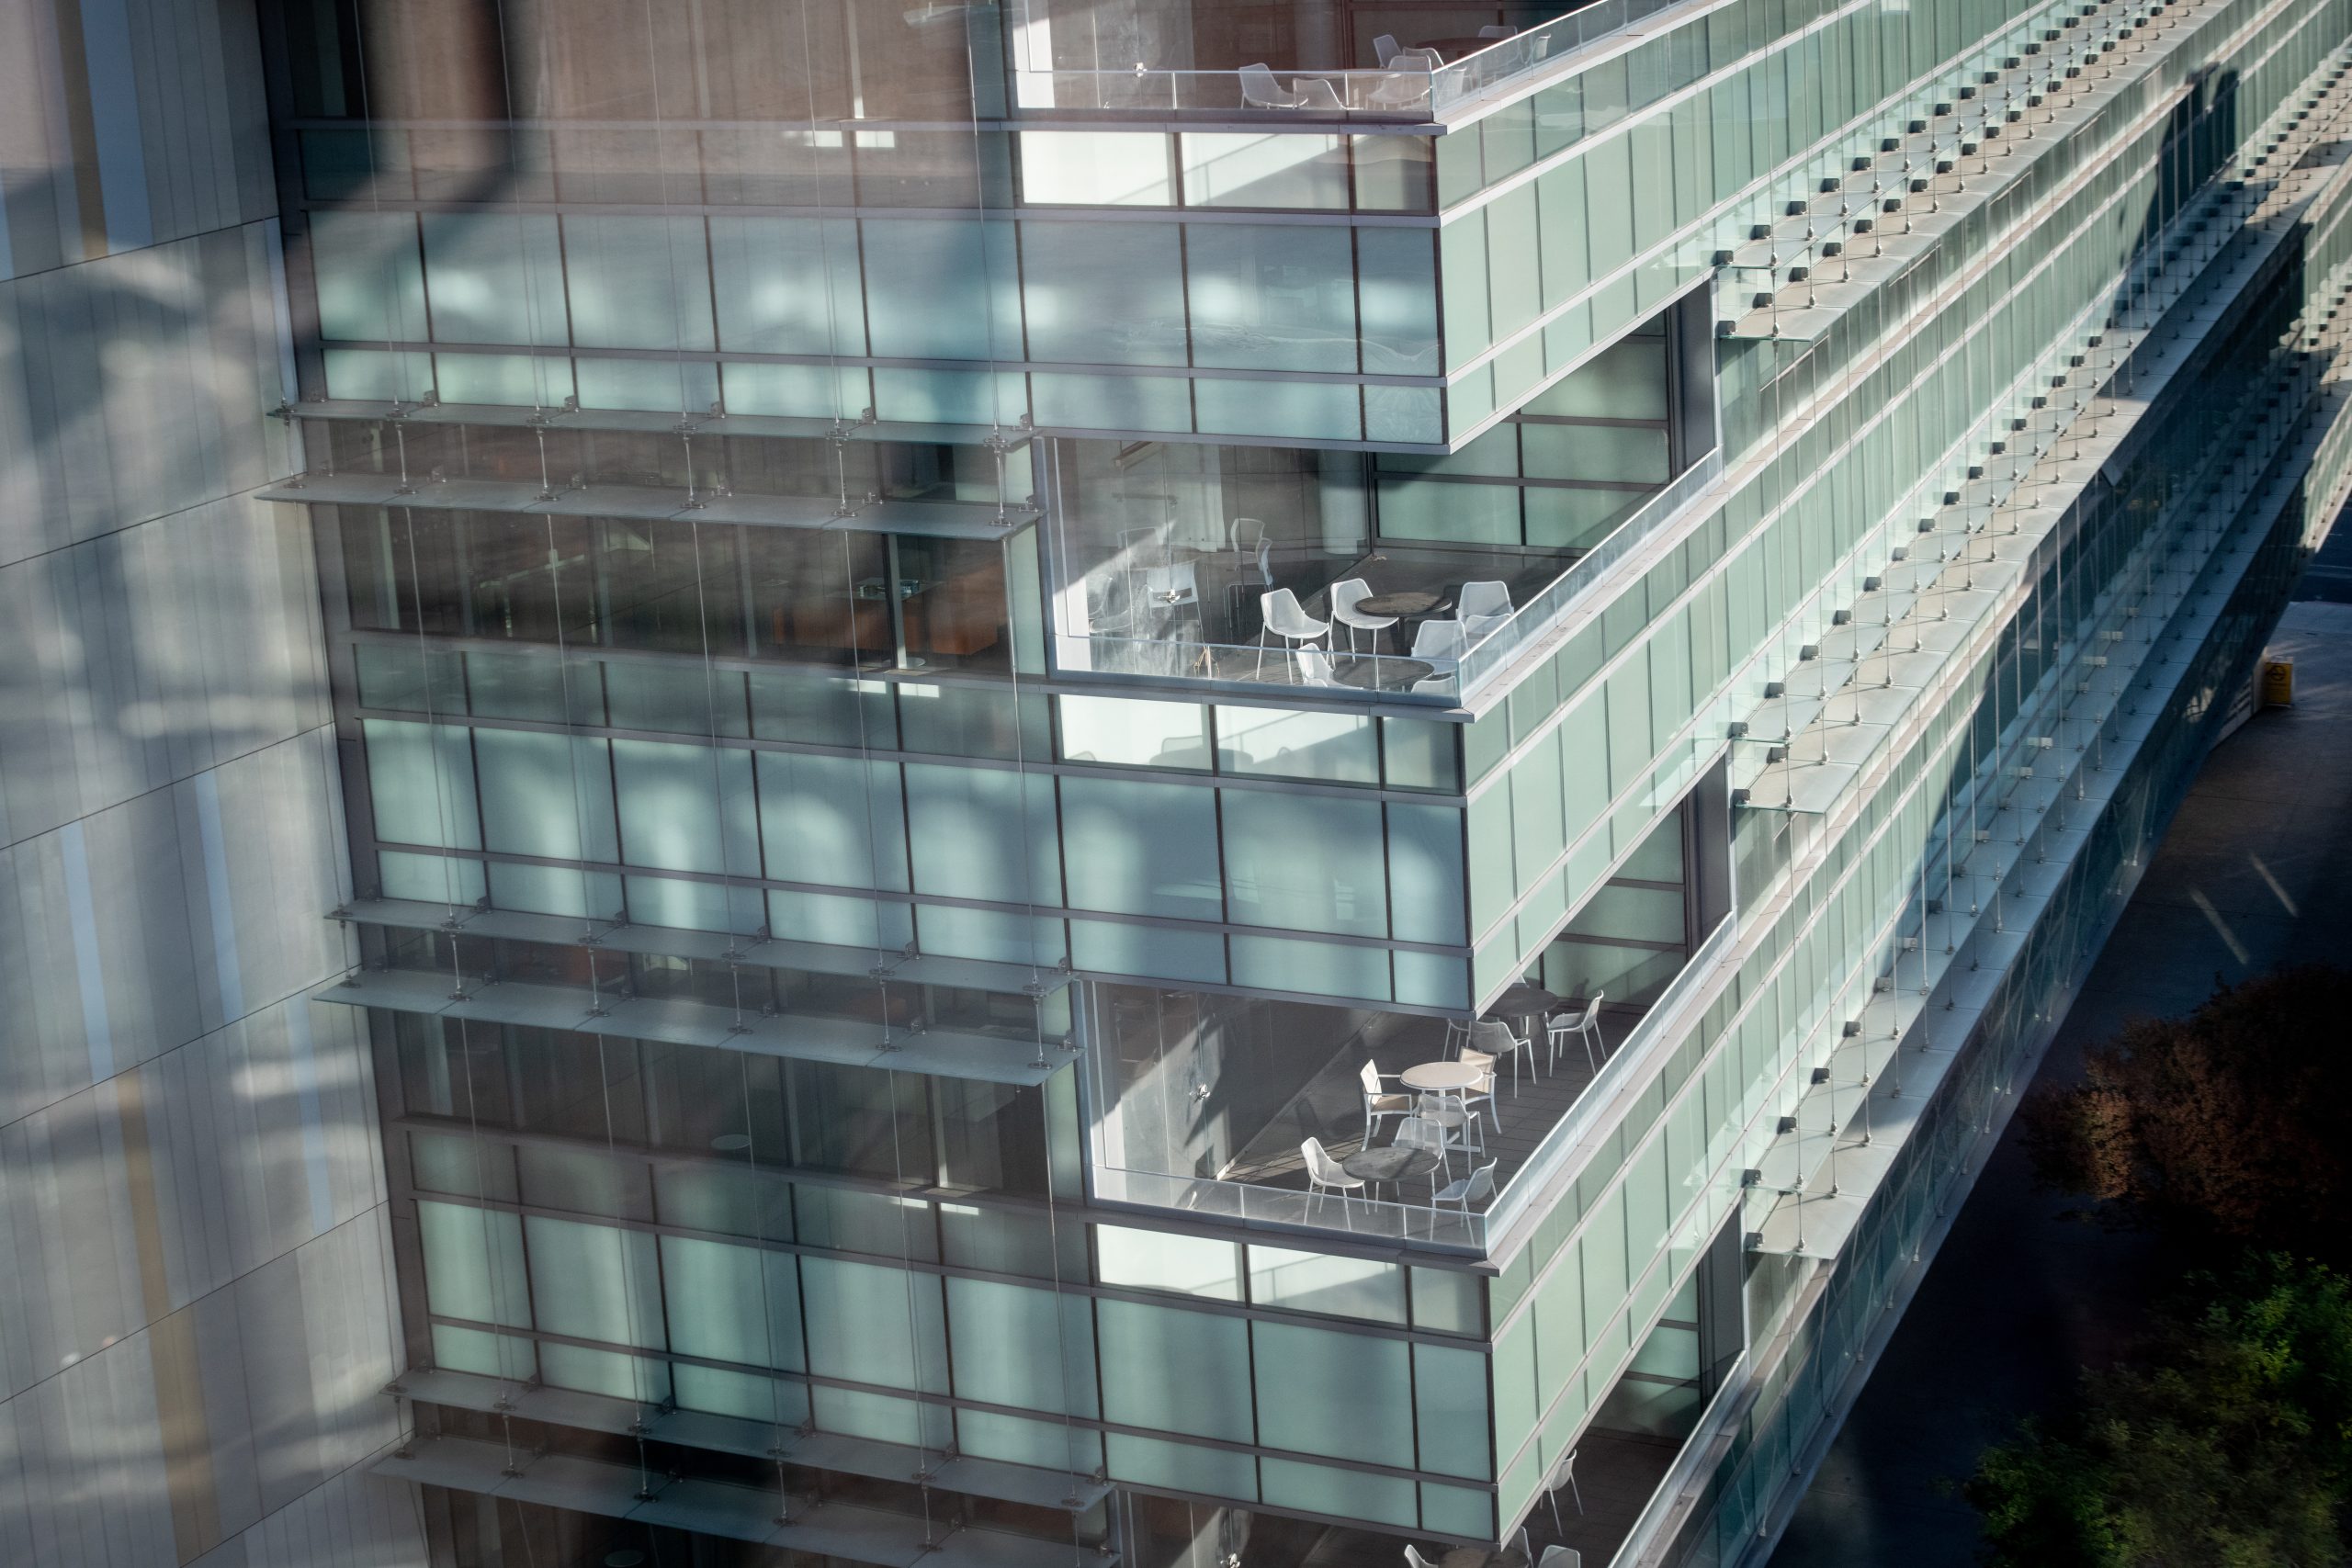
x=1146, y=734
x=496, y=278
x=1305, y=862
x=1319, y=1282
x=788, y=284
x=835, y=821
x=1032, y=1349
x=1278, y=169
x=1133, y=848
x=972, y=837
x=687, y=807
x=594, y=1282
x=1095, y=168
x=1338, y=748
x=1171, y=1370
x=1272, y=299
x=1101, y=293
x=534, y=786
x=875, y=1326
x=731, y=1304
x=473, y=1264
x=638, y=282
x=1321, y=1390
x=1149, y=1260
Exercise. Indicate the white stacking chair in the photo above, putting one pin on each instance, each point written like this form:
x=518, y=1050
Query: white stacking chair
x=1314, y=668
x=1418, y=1132
x=1325, y=1173
x=1379, y=1102
x=1346, y=594
x=1474, y=1187
x=1491, y=30
x=1281, y=615
x=1384, y=48
x=1482, y=607
x=1499, y=1039
x=1564, y=1476
x=1561, y=1557
x=1481, y=1098
x=1585, y=1023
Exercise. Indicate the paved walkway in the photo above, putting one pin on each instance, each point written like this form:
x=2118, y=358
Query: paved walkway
x=2256, y=871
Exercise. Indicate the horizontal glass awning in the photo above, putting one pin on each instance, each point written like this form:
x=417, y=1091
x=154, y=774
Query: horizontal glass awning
x=755, y=1440
x=931, y=519
x=846, y=1043
x=768, y=952
x=644, y=422
x=825, y=1528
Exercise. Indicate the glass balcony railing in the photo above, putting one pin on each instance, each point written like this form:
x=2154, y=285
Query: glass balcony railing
x=1421, y=84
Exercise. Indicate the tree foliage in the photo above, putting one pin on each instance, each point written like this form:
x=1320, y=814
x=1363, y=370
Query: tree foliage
x=2228, y=1446
x=2224, y=1129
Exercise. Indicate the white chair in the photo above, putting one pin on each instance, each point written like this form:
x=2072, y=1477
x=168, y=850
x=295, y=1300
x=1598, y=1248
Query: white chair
x=1561, y=1557
x=1474, y=1187
x=1414, y=1133
x=1457, y=1035
x=1482, y=607
x=1384, y=48
x=1492, y=31
x=1281, y=613
x=1439, y=642
x=1499, y=1039
x=1260, y=91
x=1480, y=1097
x=1564, y=1476
x=1247, y=536
x=1585, y=1023
x=1378, y=1102
x=1456, y=1121
x=1314, y=668
x=1325, y=1173
x=1413, y=1558
x=1346, y=594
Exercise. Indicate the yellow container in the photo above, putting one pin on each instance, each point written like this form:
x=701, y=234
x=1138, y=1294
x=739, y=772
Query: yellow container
x=2278, y=683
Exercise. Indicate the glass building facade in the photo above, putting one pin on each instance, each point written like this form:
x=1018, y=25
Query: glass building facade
x=959, y=629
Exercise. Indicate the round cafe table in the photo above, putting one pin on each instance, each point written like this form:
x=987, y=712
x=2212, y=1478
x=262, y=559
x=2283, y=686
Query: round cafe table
x=1441, y=1077
x=1482, y=1557
x=1382, y=672
x=1408, y=602
x=1390, y=1167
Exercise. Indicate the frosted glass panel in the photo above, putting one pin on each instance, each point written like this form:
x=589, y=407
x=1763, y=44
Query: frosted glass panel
x=1272, y=299
x=421, y=778
x=788, y=286
x=1182, y=1467
x=1281, y=169
x=833, y=819
x=1145, y=734
x=1336, y=748
x=1135, y=847
x=594, y=1282
x=638, y=282
x=935, y=292
x=1096, y=168
x=731, y=1304
x=1021, y=1346
x=1305, y=864
x=1151, y=1260
x=972, y=839
x=1101, y=293
x=1344, y=1494
x=473, y=1264
x=875, y=1326
x=1323, y=1391
x=687, y=807
x=533, y=787
x=1425, y=873
x=1168, y=1369
x=371, y=285
x=496, y=278
x=1320, y=1283
x=1450, y=1406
